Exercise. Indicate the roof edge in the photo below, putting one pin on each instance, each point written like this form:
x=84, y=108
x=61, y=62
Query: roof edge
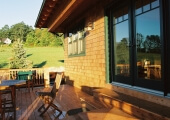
x=42, y=5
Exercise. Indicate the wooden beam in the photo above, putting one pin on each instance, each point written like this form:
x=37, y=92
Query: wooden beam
x=64, y=14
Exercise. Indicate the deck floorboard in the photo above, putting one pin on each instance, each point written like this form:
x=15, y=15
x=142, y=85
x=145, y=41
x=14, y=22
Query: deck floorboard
x=68, y=98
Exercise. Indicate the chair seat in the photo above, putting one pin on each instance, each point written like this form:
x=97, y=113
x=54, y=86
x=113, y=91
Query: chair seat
x=43, y=94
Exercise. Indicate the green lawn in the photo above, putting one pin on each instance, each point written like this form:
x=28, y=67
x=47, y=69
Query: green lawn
x=41, y=56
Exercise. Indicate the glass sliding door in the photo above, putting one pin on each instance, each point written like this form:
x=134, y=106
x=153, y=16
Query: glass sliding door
x=136, y=47
x=148, y=43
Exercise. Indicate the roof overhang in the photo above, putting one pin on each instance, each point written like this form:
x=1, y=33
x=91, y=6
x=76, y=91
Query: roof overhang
x=58, y=15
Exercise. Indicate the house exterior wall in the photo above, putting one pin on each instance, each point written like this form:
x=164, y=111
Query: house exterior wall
x=89, y=70
x=6, y=41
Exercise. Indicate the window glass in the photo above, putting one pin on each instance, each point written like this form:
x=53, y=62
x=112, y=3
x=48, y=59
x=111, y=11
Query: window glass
x=146, y=7
x=121, y=43
x=76, y=41
x=148, y=45
x=138, y=7
x=155, y=3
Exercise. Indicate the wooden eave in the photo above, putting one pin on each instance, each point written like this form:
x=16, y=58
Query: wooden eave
x=58, y=15
x=45, y=12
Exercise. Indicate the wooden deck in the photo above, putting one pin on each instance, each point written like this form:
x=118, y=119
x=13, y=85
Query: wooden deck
x=68, y=98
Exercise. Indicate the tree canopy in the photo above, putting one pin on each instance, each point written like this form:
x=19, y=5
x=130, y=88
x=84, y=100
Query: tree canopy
x=41, y=37
x=30, y=36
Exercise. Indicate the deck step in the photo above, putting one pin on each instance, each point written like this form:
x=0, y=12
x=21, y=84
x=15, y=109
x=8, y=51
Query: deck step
x=140, y=108
x=92, y=104
x=91, y=112
x=106, y=114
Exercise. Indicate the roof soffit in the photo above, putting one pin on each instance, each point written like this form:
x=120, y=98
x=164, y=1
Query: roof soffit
x=62, y=13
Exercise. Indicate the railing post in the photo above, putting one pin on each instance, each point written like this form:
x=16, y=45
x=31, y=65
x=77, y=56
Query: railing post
x=46, y=78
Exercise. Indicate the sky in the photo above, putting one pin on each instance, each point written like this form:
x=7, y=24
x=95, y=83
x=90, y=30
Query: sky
x=16, y=11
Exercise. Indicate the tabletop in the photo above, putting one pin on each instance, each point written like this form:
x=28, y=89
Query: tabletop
x=12, y=82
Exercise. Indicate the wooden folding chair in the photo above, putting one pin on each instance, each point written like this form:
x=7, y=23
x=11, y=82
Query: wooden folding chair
x=48, y=97
x=6, y=105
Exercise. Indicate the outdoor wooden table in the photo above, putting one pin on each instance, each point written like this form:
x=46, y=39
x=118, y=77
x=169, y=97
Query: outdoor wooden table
x=12, y=84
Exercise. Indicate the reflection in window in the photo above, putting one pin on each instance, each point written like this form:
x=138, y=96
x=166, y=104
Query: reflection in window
x=154, y=4
x=121, y=42
x=148, y=41
x=145, y=5
x=121, y=15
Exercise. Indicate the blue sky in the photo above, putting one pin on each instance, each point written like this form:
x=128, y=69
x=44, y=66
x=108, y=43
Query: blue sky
x=15, y=11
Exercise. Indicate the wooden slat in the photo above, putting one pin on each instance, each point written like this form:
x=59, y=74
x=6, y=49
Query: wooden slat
x=12, y=74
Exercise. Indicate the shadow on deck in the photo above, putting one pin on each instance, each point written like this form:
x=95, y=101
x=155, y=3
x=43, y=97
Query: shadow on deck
x=68, y=98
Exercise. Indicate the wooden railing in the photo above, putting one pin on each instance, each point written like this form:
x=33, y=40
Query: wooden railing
x=6, y=74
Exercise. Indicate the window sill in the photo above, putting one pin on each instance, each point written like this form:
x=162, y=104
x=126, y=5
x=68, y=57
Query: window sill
x=76, y=55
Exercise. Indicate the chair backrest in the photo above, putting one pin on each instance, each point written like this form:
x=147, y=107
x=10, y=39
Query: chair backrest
x=23, y=75
x=57, y=83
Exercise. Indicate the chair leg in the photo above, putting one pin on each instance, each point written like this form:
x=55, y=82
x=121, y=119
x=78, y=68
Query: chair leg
x=56, y=108
x=60, y=112
x=45, y=110
x=42, y=106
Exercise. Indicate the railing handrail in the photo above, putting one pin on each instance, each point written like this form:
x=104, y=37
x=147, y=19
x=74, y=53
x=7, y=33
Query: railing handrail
x=12, y=73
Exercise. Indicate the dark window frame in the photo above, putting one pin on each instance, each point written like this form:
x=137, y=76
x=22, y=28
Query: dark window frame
x=131, y=17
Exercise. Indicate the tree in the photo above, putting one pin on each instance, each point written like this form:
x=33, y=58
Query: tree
x=122, y=51
x=41, y=37
x=139, y=41
x=18, y=59
x=30, y=39
x=152, y=43
x=5, y=32
x=19, y=30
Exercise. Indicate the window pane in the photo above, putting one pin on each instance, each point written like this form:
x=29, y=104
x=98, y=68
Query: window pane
x=126, y=17
x=76, y=35
x=148, y=45
x=75, y=47
x=125, y=11
x=138, y=7
x=121, y=43
x=146, y=7
x=155, y=3
x=80, y=46
x=120, y=19
x=118, y=16
x=70, y=34
x=121, y=32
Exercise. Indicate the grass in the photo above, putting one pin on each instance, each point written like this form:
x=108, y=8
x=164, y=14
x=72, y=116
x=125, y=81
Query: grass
x=41, y=56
